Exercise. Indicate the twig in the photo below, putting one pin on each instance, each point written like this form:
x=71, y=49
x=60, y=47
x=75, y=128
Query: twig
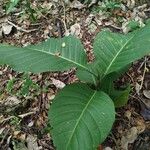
x=64, y=8
x=21, y=116
x=114, y=139
x=115, y=27
x=6, y=119
x=27, y=114
x=5, y=134
x=130, y=77
x=143, y=76
x=19, y=28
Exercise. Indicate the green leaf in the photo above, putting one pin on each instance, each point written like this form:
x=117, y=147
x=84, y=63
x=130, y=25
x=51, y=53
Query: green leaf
x=114, y=51
x=81, y=118
x=85, y=76
x=88, y=76
x=119, y=97
x=51, y=55
x=133, y=25
x=107, y=84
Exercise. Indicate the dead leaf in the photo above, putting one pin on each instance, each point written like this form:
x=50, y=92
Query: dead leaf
x=59, y=84
x=75, y=29
x=108, y=148
x=10, y=101
x=32, y=143
x=22, y=137
x=77, y=4
x=140, y=125
x=137, y=88
x=128, y=114
x=1, y=130
x=89, y=19
x=143, y=141
x=30, y=124
x=146, y=93
x=50, y=96
x=130, y=3
x=145, y=109
x=16, y=133
x=92, y=3
x=6, y=28
x=130, y=137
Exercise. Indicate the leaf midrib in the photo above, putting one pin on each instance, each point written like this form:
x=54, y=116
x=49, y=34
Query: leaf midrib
x=80, y=117
x=111, y=63
x=69, y=60
x=49, y=53
x=86, y=68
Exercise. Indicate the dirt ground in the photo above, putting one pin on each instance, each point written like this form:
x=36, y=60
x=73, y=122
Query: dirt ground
x=25, y=97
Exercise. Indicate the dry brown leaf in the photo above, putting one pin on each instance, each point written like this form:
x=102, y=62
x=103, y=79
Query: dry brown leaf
x=77, y=4
x=10, y=101
x=108, y=148
x=137, y=88
x=59, y=84
x=75, y=29
x=130, y=137
x=146, y=93
x=32, y=143
x=6, y=28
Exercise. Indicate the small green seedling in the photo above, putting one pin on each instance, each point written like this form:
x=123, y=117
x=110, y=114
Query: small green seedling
x=82, y=114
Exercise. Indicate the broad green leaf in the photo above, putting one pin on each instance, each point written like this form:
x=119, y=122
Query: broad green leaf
x=88, y=76
x=81, y=118
x=51, y=55
x=107, y=84
x=119, y=97
x=114, y=51
x=85, y=76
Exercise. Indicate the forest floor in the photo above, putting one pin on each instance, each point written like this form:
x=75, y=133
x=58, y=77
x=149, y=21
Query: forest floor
x=25, y=97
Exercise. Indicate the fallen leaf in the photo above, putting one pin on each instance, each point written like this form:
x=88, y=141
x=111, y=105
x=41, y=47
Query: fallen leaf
x=75, y=29
x=30, y=124
x=32, y=143
x=1, y=130
x=145, y=109
x=130, y=3
x=130, y=137
x=143, y=141
x=59, y=84
x=89, y=19
x=140, y=125
x=137, y=88
x=108, y=148
x=11, y=101
x=92, y=3
x=128, y=114
x=146, y=93
x=77, y=4
x=6, y=28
